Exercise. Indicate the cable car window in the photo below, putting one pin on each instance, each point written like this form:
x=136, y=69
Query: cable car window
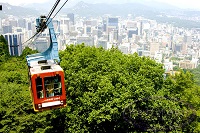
x=39, y=88
x=57, y=85
x=53, y=86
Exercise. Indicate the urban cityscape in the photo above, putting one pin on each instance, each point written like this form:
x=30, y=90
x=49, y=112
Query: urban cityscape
x=99, y=66
x=163, y=42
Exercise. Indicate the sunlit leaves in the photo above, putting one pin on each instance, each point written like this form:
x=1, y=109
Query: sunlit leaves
x=107, y=91
x=100, y=85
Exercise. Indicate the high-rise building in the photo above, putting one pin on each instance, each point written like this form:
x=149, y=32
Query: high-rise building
x=154, y=47
x=184, y=48
x=29, y=26
x=14, y=44
x=112, y=21
x=140, y=28
x=22, y=23
x=130, y=24
x=7, y=29
x=132, y=32
x=71, y=17
x=97, y=32
x=64, y=25
x=112, y=24
x=187, y=39
x=178, y=47
x=87, y=30
x=113, y=35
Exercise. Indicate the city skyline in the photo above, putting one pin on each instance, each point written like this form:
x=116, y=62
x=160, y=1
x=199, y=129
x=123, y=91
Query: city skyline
x=192, y=4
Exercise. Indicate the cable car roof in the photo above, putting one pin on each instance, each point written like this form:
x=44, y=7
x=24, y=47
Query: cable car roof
x=38, y=68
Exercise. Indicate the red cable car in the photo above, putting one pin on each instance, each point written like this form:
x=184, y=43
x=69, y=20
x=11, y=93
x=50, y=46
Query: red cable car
x=47, y=86
x=46, y=76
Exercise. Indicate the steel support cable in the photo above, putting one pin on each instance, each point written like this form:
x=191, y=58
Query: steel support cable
x=30, y=38
x=39, y=33
x=53, y=17
x=49, y=15
x=59, y=9
x=53, y=9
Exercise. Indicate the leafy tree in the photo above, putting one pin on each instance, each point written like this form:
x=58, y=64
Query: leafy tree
x=101, y=84
x=107, y=91
x=196, y=73
x=4, y=51
x=16, y=111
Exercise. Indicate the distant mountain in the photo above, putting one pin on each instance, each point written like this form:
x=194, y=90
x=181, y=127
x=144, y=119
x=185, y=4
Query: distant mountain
x=42, y=8
x=157, y=11
x=138, y=8
x=8, y=9
x=158, y=5
x=88, y=10
x=85, y=9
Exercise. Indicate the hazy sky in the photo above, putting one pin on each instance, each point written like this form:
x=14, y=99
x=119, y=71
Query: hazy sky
x=180, y=3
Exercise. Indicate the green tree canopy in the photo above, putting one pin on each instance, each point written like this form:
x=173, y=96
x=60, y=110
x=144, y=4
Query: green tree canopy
x=4, y=51
x=107, y=91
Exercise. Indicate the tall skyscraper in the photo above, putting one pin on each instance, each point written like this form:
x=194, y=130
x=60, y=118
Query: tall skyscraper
x=29, y=26
x=132, y=32
x=112, y=21
x=154, y=47
x=22, y=23
x=7, y=29
x=140, y=27
x=14, y=44
x=71, y=17
x=64, y=25
x=112, y=24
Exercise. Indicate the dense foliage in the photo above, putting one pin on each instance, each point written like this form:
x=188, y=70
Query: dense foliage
x=196, y=73
x=4, y=52
x=107, y=91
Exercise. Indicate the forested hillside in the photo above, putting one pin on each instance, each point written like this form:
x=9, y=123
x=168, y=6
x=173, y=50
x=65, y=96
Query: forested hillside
x=107, y=91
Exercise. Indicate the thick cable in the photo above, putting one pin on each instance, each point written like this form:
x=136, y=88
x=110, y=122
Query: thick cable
x=48, y=17
x=53, y=9
x=53, y=16
x=60, y=9
x=30, y=38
